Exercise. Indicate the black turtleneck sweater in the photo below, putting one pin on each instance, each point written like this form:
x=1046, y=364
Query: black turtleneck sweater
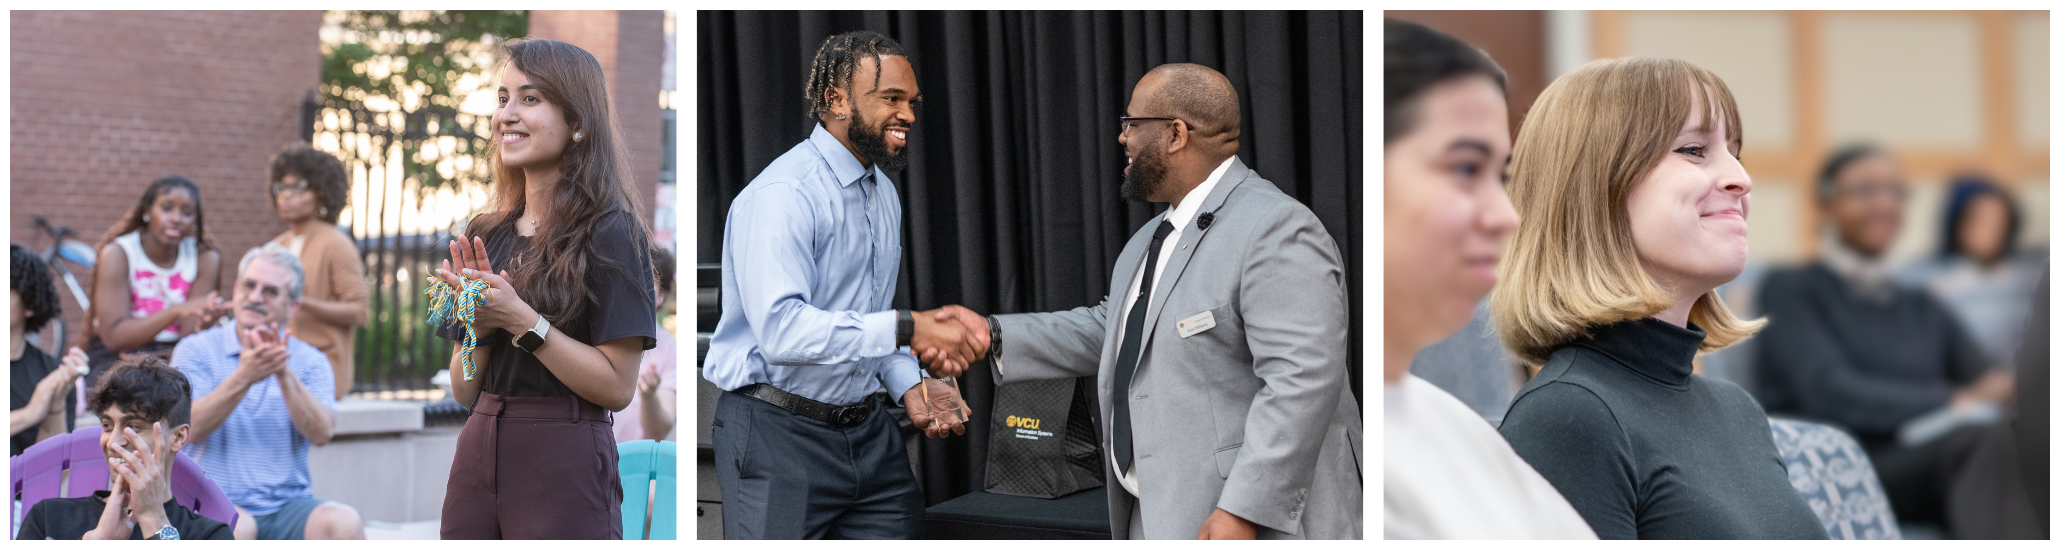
x=1645, y=449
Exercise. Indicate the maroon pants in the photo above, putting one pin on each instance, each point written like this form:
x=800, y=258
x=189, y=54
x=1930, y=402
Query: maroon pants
x=534, y=468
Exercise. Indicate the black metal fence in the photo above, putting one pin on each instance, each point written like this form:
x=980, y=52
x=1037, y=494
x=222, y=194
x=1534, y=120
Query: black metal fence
x=399, y=161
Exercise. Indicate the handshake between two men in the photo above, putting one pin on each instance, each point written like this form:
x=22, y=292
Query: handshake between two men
x=947, y=340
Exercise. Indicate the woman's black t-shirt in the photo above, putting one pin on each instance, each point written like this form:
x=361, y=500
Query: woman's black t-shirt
x=26, y=372
x=622, y=308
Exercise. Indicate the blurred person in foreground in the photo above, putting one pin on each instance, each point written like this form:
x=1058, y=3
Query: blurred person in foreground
x=1634, y=203
x=654, y=408
x=309, y=190
x=1847, y=345
x=1447, y=474
x=262, y=398
x=1979, y=273
x=40, y=397
x=2034, y=421
x=144, y=408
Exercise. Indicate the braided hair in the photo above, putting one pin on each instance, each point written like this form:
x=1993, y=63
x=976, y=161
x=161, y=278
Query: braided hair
x=836, y=61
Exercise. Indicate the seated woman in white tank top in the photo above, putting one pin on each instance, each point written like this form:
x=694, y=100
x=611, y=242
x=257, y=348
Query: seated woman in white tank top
x=156, y=277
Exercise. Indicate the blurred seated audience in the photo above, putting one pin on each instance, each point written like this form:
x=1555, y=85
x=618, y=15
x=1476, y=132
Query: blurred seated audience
x=1847, y=345
x=1448, y=474
x=40, y=397
x=2034, y=420
x=654, y=407
x=1978, y=273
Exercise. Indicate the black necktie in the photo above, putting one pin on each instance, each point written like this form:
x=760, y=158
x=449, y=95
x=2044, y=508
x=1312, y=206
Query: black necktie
x=1133, y=343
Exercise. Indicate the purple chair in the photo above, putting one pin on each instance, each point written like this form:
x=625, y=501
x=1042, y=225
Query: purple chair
x=39, y=474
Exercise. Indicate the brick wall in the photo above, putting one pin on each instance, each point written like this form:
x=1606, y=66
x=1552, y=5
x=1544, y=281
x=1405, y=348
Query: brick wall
x=104, y=102
x=631, y=48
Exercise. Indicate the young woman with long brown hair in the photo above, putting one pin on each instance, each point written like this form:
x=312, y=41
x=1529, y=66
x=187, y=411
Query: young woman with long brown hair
x=568, y=314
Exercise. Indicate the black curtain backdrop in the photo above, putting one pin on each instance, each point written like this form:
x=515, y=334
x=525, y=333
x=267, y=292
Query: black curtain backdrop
x=1010, y=195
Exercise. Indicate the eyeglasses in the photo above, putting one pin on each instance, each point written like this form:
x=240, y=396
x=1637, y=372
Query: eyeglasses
x=1126, y=120
x=1872, y=192
x=268, y=292
x=280, y=187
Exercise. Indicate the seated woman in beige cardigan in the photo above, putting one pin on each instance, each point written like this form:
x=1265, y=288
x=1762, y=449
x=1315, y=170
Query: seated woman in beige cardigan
x=309, y=189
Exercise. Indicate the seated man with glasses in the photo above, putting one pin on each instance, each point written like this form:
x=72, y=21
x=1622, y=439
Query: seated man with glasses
x=262, y=397
x=1890, y=364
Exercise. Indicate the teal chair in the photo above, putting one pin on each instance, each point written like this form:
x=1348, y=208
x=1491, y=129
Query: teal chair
x=641, y=462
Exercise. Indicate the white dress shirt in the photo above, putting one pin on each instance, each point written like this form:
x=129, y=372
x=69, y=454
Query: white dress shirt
x=1180, y=216
x=1449, y=475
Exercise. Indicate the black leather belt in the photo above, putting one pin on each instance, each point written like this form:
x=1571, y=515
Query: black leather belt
x=842, y=416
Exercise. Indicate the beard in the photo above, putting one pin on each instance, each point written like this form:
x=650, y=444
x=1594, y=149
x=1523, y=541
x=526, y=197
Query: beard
x=1147, y=175
x=871, y=143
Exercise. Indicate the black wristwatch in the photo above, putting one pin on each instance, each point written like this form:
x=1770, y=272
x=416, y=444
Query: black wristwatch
x=993, y=339
x=534, y=338
x=904, y=327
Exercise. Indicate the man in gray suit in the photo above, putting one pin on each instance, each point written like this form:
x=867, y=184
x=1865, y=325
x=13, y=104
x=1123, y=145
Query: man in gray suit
x=1221, y=352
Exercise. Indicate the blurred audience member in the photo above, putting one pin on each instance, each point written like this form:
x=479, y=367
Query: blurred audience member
x=155, y=280
x=1448, y=474
x=1890, y=363
x=1978, y=273
x=652, y=409
x=2034, y=420
x=262, y=397
x=309, y=189
x=40, y=400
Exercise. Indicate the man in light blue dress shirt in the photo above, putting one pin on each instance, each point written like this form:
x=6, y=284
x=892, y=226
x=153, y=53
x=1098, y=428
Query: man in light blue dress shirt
x=261, y=398
x=808, y=332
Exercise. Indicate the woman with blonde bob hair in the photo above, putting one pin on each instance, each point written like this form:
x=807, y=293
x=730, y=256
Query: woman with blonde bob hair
x=1627, y=178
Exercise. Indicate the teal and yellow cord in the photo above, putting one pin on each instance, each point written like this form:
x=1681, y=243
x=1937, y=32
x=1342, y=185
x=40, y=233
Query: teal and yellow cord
x=447, y=305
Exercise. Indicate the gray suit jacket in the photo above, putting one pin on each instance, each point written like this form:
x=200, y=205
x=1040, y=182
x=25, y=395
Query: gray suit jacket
x=1254, y=416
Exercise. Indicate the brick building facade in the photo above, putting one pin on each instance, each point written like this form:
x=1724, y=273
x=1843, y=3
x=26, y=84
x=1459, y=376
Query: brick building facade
x=103, y=102
x=630, y=46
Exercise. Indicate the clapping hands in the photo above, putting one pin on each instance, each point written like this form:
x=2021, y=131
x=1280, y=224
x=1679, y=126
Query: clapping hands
x=502, y=308
x=59, y=382
x=198, y=315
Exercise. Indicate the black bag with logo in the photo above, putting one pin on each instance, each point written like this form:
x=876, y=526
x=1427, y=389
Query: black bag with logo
x=1043, y=441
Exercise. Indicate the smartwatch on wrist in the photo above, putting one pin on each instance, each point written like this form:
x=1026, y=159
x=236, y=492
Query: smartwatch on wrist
x=904, y=327
x=530, y=341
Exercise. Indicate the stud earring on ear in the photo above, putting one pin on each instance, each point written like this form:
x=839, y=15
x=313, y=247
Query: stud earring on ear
x=577, y=135
x=840, y=117
x=146, y=218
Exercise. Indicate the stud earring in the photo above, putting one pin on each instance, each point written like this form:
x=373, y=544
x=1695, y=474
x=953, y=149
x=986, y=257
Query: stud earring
x=325, y=210
x=146, y=218
x=840, y=117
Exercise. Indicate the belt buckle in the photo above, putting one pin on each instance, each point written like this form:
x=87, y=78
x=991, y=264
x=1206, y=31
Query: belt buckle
x=850, y=415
